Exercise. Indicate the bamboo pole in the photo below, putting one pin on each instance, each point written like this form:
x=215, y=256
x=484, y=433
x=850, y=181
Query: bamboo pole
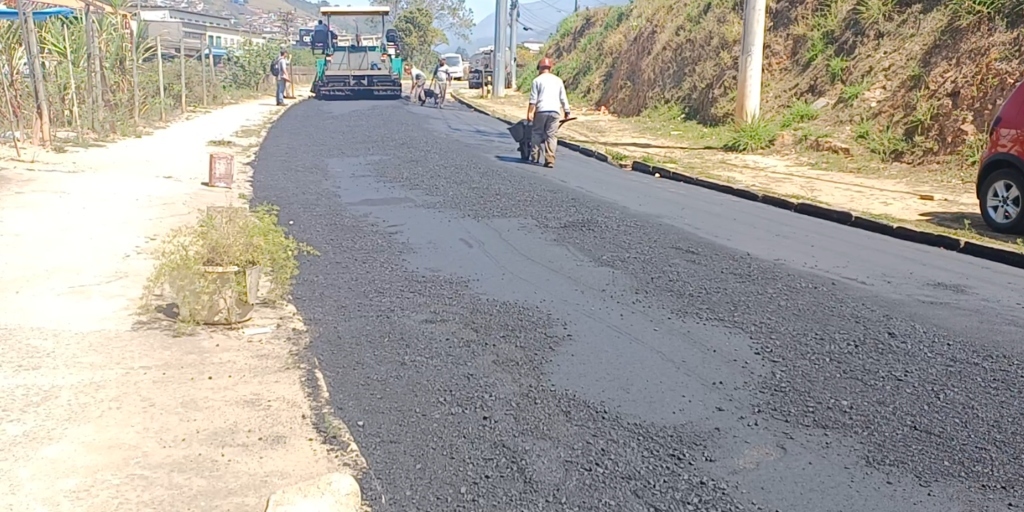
x=10, y=112
x=202, y=65
x=35, y=69
x=135, y=61
x=74, y=92
x=160, y=75
x=181, y=57
x=94, y=69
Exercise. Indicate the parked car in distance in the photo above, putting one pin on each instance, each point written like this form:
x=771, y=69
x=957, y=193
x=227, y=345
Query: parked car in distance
x=1000, y=182
x=453, y=64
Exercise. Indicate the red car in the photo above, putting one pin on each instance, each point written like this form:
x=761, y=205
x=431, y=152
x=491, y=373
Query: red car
x=1000, y=182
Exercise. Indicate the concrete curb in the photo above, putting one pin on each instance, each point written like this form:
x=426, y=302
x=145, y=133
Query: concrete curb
x=843, y=217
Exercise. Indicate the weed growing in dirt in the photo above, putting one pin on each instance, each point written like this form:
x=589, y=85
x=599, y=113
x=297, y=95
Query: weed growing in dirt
x=836, y=67
x=922, y=117
x=797, y=113
x=229, y=237
x=851, y=92
x=887, y=143
x=753, y=136
x=972, y=150
x=872, y=13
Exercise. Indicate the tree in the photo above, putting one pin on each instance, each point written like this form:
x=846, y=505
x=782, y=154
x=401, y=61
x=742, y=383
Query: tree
x=419, y=34
x=463, y=52
x=448, y=15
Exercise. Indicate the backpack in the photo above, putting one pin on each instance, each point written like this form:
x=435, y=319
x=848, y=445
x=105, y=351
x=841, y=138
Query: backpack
x=275, y=67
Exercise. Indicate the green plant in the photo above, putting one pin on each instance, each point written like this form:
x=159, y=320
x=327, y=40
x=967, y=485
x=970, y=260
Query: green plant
x=973, y=148
x=817, y=47
x=922, y=117
x=616, y=155
x=753, y=136
x=851, y=92
x=887, y=143
x=799, y=112
x=248, y=64
x=230, y=237
x=836, y=66
x=872, y=13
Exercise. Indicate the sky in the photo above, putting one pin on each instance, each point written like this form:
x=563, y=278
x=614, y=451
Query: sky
x=481, y=8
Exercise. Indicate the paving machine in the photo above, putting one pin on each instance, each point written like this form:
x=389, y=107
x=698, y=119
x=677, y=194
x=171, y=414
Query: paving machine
x=357, y=70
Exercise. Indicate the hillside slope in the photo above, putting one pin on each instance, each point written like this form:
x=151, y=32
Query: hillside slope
x=908, y=80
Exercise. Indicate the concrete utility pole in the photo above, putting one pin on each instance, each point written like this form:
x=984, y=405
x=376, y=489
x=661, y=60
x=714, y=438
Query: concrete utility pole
x=748, y=86
x=500, y=22
x=576, y=7
x=513, y=24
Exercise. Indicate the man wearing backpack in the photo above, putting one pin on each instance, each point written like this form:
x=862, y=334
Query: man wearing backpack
x=279, y=68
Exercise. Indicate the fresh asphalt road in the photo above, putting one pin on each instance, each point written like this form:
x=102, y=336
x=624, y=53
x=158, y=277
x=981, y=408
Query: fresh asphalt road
x=504, y=337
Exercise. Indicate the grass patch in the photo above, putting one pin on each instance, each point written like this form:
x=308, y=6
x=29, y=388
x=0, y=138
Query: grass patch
x=887, y=143
x=617, y=156
x=872, y=13
x=798, y=113
x=221, y=143
x=753, y=136
x=923, y=117
x=836, y=68
x=852, y=92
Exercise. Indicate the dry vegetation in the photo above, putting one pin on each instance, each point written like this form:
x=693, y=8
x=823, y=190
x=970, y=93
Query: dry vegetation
x=79, y=113
x=902, y=82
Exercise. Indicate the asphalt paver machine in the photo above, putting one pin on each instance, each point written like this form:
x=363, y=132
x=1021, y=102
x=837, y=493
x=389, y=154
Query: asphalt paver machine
x=353, y=69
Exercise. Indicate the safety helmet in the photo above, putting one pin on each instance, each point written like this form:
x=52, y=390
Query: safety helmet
x=546, y=62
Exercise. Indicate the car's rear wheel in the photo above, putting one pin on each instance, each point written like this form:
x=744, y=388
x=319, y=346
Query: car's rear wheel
x=1002, y=201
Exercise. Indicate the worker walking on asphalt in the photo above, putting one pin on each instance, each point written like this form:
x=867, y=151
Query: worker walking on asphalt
x=547, y=97
x=444, y=79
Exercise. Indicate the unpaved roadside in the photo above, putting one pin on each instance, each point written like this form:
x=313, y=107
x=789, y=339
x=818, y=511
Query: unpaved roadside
x=101, y=412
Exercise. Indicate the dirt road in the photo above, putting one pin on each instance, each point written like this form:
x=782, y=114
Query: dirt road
x=100, y=411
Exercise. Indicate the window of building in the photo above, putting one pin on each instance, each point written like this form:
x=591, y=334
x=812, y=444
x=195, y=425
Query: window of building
x=218, y=43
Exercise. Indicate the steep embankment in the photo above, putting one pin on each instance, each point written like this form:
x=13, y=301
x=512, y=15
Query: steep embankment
x=906, y=80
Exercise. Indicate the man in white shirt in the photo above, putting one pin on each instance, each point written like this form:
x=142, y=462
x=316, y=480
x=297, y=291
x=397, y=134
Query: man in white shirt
x=419, y=79
x=443, y=81
x=547, y=97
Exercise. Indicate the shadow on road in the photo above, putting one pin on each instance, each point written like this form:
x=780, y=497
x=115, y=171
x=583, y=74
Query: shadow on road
x=511, y=160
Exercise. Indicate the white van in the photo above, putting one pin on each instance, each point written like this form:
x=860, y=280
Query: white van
x=453, y=64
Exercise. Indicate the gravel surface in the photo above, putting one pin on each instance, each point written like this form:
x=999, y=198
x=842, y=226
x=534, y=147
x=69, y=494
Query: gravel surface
x=451, y=392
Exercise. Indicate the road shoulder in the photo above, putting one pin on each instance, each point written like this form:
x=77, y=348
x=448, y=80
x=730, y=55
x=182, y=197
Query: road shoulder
x=103, y=410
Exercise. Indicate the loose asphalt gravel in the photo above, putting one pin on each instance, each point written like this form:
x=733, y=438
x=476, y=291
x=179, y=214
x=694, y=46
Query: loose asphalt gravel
x=504, y=337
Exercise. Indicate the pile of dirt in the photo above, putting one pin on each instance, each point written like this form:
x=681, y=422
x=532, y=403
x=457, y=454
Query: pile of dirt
x=909, y=80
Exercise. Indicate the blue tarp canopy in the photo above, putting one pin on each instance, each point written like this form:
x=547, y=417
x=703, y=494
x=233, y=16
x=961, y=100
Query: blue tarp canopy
x=40, y=15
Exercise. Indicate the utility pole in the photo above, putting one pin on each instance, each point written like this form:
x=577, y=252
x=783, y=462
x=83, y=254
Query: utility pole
x=513, y=23
x=748, y=86
x=576, y=7
x=500, y=22
x=35, y=68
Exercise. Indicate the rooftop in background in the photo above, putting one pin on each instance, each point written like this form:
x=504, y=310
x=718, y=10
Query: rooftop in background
x=377, y=10
x=171, y=14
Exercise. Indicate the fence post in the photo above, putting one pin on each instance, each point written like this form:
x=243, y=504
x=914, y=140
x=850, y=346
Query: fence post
x=181, y=57
x=202, y=65
x=135, y=62
x=160, y=75
x=95, y=71
x=15, y=122
x=74, y=93
x=35, y=68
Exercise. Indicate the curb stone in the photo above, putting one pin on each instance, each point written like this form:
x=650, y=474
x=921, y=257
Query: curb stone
x=843, y=217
